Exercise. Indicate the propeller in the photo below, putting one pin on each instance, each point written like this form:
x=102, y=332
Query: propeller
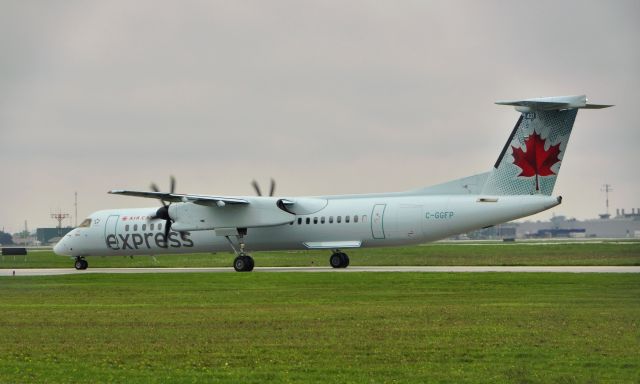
x=256, y=187
x=163, y=212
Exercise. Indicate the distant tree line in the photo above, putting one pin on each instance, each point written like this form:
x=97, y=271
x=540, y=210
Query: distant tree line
x=5, y=238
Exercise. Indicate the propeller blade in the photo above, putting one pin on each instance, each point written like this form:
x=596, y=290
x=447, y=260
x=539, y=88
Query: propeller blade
x=167, y=229
x=172, y=184
x=273, y=187
x=155, y=188
x=256, y=187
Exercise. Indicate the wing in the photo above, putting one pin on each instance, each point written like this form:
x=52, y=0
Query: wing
x=179, y=197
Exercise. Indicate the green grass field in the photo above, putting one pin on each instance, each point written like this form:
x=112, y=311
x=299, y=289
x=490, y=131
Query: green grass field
x=296, y=327
x=567, y=253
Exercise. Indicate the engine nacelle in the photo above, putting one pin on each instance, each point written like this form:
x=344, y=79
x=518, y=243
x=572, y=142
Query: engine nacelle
x=260, y=212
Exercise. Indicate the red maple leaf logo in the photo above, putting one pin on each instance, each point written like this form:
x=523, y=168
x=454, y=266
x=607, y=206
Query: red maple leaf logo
x=536, y=161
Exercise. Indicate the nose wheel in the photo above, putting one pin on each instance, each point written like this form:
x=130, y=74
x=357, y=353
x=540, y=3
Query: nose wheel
x=81, y=263
x=339, y=260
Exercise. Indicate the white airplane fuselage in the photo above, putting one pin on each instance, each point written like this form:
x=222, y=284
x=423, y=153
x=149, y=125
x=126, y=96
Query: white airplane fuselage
x=373, y=221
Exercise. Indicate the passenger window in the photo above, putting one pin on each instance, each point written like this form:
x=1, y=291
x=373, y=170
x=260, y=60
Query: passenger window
x=346, y=219
x=85, y=223
x=299, y=220
x=364, y=218
x=308, y=220
x=126, y=227
x=159, y=226
x=322, y=220
x=135, y=227
x=330, y=219
x=355, y=218
x=315, y=220
x=339, y=219
x=151, y=226
x=144, y=227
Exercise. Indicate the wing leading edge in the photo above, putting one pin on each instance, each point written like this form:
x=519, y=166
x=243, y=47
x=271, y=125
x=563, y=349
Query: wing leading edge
x=184, y=198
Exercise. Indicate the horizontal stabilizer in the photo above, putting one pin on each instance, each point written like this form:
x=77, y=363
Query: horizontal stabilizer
x=556, y=103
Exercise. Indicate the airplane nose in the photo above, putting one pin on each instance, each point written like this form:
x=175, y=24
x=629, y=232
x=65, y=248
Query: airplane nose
x=61, y=249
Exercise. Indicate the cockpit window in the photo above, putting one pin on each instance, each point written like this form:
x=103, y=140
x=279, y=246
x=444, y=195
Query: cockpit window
x=86, y=223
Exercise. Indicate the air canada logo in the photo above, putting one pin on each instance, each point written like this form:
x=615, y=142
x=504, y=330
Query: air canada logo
x=536, y=161
x=148, y=241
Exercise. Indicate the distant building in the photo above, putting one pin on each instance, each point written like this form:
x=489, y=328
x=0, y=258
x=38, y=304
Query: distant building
x=24, y=240
x=46, y=236
x=496, y=232
x=623, y=225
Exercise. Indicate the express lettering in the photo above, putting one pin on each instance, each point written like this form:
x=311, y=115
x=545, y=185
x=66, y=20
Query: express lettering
x=148, y=241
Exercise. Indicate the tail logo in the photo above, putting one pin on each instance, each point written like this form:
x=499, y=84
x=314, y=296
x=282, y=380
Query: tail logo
x=536, y=161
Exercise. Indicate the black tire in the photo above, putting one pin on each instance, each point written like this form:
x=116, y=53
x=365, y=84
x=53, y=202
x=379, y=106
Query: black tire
x=243, y=263
x=239, y=264
x=345, y=260
x=78, y=264
x=250, y=263
x=85, y=264
x=336, y=260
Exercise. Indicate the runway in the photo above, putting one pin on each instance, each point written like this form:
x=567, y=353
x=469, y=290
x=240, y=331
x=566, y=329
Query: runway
x=428, y=269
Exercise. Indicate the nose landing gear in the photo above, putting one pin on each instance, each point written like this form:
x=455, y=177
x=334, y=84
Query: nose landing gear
x=81, y=263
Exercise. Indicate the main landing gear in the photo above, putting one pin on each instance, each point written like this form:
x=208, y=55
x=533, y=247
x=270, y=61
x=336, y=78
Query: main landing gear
x=339, y=259
x=243, y=261
x=81, y=263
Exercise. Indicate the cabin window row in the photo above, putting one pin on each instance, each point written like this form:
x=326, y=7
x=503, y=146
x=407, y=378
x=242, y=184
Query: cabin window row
x=330, y=219
x=143, y=227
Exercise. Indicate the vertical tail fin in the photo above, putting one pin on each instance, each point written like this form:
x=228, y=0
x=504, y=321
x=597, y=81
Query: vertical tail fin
x=531, y=158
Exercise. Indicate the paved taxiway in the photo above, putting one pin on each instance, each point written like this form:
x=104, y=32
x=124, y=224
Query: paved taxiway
x=528, y=269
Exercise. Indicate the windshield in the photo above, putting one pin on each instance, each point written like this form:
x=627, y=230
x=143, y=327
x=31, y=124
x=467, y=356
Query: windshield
x=85, y=223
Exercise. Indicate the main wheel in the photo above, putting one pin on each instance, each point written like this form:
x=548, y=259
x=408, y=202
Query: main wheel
x=250, y=263
x=345, y=260
x=243, y=263
x=85, y=264
x=336, y=260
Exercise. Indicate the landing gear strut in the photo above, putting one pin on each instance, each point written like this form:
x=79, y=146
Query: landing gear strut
x=339, y=259
x=81, y=263
x=243, y=261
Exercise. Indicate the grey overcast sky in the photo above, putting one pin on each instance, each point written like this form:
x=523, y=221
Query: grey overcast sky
x=327, y=97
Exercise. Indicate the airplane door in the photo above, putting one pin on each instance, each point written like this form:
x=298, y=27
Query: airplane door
x=110, y=228
x=377, y=221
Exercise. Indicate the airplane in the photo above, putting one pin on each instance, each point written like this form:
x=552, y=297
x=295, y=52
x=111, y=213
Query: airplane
x=519, y=184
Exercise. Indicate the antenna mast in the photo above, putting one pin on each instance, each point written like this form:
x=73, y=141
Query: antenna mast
x=76, y=206
x=606, y=188
x=59, y=217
